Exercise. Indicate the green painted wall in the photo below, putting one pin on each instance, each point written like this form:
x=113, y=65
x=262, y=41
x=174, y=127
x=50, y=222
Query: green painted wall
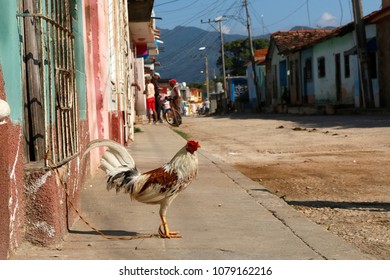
x=10, y=58
x=80, y=62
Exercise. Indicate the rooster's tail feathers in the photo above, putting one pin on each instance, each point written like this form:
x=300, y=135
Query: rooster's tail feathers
x=115, y=156
x=117, y=163
x=122, y=179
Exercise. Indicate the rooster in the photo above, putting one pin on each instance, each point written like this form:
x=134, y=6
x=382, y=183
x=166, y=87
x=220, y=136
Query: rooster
x=159, y=186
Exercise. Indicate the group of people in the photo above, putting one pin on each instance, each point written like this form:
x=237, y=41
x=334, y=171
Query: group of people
x=154, y=98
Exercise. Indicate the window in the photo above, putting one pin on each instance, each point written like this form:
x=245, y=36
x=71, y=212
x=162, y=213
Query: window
x=308, y=70
x=321, y=67
x=51, y=115
x=347, y=68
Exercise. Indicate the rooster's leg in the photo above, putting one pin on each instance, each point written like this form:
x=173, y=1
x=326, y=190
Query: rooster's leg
x=164, y=229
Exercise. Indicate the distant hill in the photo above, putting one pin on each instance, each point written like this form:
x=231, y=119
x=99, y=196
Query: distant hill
x=299, y=27
x=180, y=56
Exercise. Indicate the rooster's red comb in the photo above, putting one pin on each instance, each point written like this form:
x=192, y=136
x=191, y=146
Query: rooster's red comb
x=192, y=146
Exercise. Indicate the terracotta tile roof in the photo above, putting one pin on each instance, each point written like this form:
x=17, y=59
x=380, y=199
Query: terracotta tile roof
x=261, y=52
x=290, y=41
x=260, y=55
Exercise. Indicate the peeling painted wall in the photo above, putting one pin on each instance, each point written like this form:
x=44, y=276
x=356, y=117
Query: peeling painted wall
x=95, y=65
x=11, y=189
x=11, y=184
x=11, y=158
x=33, y=203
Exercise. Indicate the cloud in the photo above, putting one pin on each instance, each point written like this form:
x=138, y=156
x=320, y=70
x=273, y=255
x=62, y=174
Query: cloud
x=327, y=19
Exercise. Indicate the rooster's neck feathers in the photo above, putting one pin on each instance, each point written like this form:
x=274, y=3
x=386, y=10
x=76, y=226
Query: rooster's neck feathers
x=183, y=163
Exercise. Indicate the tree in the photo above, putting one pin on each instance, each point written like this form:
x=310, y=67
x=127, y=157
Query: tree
x=237, y=54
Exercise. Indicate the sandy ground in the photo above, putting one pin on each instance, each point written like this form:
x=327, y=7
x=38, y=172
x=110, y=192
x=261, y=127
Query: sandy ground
x=334, y=169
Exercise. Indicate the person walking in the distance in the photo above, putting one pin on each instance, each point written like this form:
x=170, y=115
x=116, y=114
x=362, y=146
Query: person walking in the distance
x=150, y=101
x=175, y=93
x=206, y=105
x=155, y=78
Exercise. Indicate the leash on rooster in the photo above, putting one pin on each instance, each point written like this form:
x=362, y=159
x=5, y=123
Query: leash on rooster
x=54, y=168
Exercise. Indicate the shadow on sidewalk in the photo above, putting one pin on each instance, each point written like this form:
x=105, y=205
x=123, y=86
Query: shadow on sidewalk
x=122, y=233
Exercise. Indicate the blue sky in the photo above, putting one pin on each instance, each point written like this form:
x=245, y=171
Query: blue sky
x=266, y=16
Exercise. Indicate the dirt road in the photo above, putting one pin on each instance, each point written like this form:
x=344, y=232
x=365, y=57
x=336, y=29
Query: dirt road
x=334, y=169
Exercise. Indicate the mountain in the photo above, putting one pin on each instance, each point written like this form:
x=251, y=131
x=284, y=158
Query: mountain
x=181, y=58
x=299, y=27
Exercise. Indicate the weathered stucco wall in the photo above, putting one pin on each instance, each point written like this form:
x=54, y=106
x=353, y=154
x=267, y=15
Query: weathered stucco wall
x=383, y=39
x=33, y=205
x=325, y=90
x=11, y=140
x=96, y=67
x=11, y=189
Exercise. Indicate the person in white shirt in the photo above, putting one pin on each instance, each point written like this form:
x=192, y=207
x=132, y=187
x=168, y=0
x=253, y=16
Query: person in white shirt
x=175, y=93
x=206, y=105
x=150, y=100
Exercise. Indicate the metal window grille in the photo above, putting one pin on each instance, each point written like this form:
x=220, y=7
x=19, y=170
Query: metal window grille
x=51, y=122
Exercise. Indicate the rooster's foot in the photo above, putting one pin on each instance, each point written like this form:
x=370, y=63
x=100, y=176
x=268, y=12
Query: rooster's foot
x=167, y=233
x=171, y=235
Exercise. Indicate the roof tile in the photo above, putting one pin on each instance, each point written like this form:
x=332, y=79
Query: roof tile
x=289, y=41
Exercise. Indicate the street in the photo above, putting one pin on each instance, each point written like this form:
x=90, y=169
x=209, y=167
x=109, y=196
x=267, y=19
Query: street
x=222, y=215
x=333, y=169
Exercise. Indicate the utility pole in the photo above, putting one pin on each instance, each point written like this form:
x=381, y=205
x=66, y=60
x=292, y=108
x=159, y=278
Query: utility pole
x=219, y=21
x=364, y=63
x=253, y=61
x=262, y=24
x=206, y=63
x=223, y=59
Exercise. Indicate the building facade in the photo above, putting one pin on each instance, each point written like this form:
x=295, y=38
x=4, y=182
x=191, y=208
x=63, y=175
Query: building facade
x=69, y=73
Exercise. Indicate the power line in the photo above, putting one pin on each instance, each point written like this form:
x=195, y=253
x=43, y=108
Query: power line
x=219, y=21
x=341, y=13
x=166, y=3
x=181, y=8
x=289, y=15
x=205, y=11
x=308, y=12
x=176, y=56
x=189, y=47
x=260, y=20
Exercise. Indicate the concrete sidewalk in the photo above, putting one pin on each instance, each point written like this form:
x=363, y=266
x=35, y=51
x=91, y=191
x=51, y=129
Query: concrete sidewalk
x=221, y=215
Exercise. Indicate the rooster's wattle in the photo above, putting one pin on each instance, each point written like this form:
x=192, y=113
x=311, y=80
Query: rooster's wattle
x=159, y=186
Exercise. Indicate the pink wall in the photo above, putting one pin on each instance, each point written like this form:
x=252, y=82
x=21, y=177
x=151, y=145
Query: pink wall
x=97, y=67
